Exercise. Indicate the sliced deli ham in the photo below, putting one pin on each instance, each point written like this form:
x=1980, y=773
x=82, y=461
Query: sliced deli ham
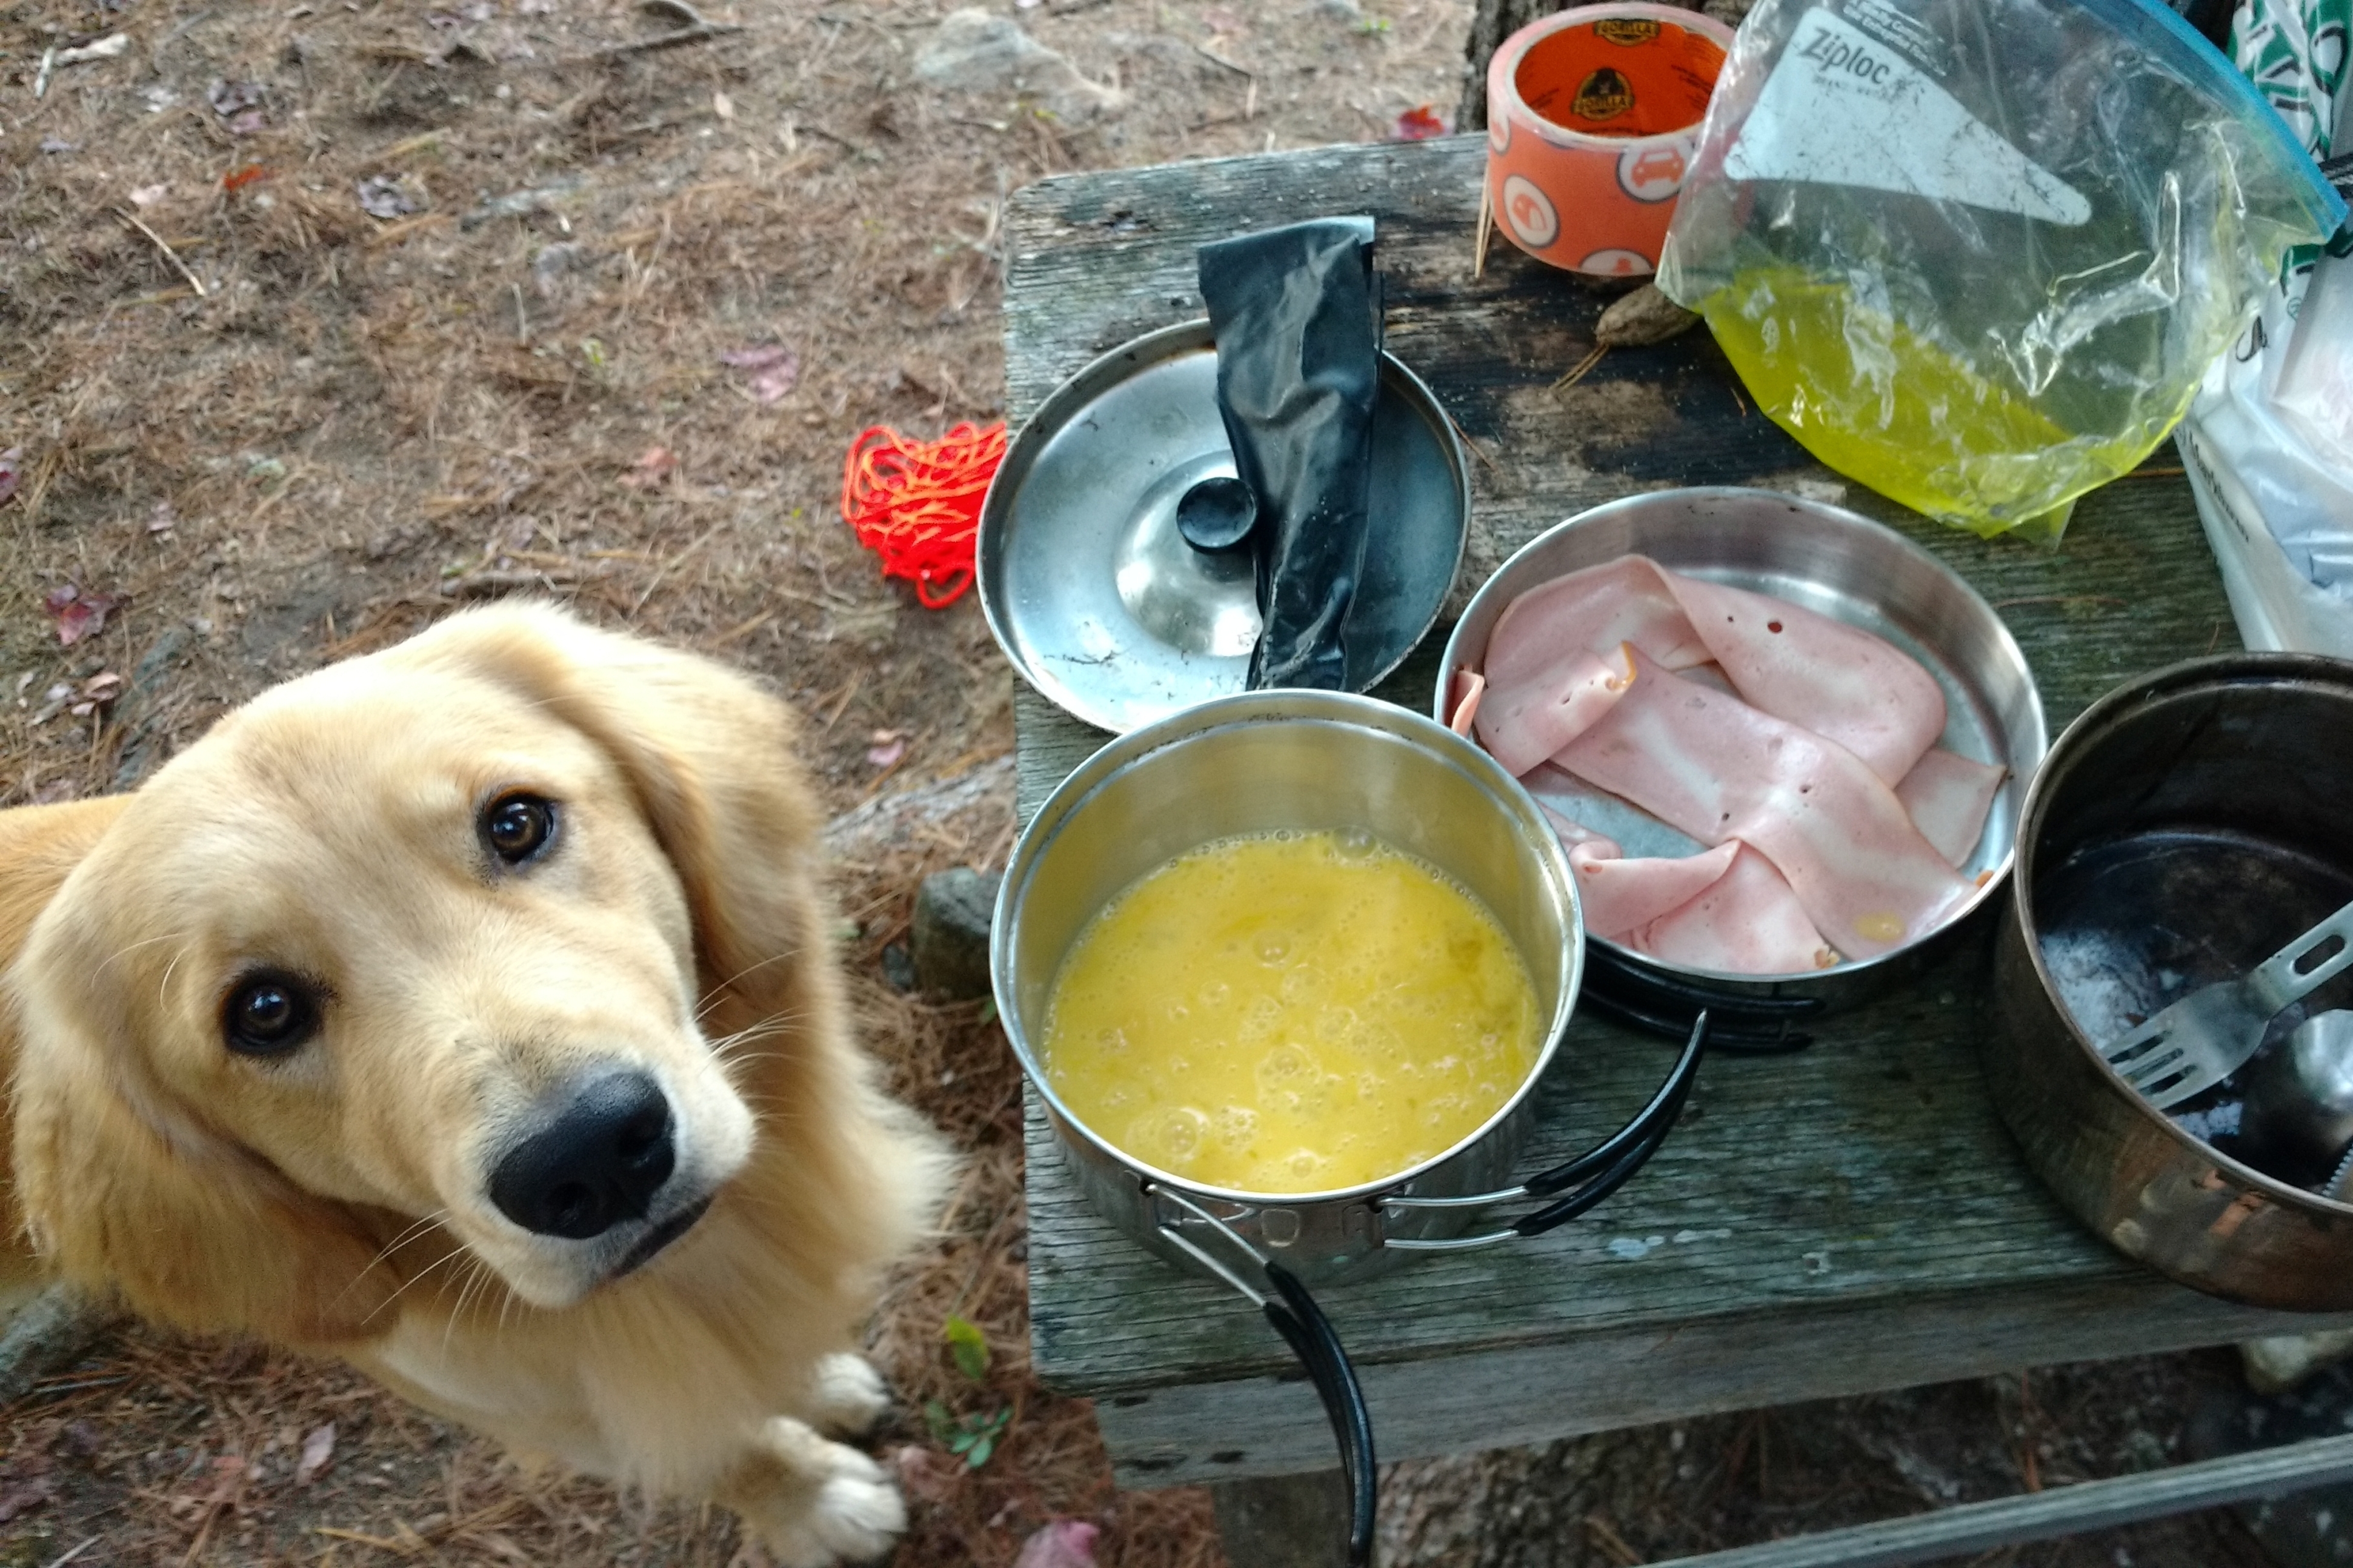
x=1621, y=896
x=1747, y=921
x=1948, y=796
x=1835, y=680
x=1712, y=767
x=1801, y=750
x=1526, y=722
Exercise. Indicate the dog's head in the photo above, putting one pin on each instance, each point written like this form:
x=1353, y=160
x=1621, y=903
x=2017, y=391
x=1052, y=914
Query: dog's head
x=439, y=939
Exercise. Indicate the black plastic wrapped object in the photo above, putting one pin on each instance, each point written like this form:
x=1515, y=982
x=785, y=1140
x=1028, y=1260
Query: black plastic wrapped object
x=1298, y=374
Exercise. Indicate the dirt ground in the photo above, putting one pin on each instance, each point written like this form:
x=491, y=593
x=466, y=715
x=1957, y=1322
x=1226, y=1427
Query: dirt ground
x=318, y=319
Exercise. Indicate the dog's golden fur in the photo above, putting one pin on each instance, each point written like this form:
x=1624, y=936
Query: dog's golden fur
x=336, y=1200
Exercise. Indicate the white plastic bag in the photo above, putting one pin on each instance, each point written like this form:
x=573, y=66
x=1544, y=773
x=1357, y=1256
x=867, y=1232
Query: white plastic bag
x=2269, y=439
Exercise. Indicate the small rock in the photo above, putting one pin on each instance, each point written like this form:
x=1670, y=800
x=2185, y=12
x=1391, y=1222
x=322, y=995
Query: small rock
x=549, y=267
x=521, y=203
x=898, y=968
x=384, y=197
x=973, y=52
x=950, y=938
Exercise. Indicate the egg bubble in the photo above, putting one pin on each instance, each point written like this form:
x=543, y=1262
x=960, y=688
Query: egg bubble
x=1353, y=844
x=1285, y=1065
x=1181, y=1131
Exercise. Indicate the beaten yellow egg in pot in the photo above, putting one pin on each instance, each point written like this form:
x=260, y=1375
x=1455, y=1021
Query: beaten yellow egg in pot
x=1295, y=960
x=1289, y=1012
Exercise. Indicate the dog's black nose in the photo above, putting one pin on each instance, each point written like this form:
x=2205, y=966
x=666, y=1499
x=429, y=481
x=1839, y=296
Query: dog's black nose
x=597, y=1163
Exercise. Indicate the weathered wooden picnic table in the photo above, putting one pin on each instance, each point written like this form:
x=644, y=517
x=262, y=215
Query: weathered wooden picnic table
x=1849, y=1218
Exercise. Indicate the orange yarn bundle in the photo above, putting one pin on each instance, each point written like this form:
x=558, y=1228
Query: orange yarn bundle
x=917, y=503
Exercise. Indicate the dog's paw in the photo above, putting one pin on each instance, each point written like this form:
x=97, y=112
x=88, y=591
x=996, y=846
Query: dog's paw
x=849, y=1396
x=822, y=1504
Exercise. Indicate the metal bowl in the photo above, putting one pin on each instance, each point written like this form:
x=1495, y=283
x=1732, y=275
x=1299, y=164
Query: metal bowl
x=1102, y=605
x=1840, y=565
x=1259, y=762
x=2184, y=828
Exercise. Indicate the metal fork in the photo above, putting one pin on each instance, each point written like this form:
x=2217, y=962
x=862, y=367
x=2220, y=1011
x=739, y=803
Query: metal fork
x=2193, y=1045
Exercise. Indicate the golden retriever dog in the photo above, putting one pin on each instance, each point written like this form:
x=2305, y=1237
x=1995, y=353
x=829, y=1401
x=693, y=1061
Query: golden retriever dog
x=465, y=1011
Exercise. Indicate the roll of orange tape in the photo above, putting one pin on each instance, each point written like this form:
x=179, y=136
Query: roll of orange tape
x=1593, y=119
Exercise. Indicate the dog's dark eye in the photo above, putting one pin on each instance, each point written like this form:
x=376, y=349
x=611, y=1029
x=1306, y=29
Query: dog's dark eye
x=517, y=827
x=269, y=1015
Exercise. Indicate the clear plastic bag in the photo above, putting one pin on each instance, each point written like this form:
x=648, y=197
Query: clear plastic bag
x=1977, y=254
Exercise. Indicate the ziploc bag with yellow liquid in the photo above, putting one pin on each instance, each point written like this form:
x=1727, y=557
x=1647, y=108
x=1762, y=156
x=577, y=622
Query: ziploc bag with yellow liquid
x=1977, y=254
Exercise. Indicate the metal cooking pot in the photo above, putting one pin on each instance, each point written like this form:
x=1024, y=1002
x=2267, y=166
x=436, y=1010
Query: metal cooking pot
x=1839, y=564
x=2181, y=830
x=1311, y=760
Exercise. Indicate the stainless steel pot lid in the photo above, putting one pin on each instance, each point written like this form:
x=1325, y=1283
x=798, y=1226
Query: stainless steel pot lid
x=1102, y=605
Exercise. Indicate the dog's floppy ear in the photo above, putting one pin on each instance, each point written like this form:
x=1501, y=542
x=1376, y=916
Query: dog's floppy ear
x=710, y=758
x=123, y=1195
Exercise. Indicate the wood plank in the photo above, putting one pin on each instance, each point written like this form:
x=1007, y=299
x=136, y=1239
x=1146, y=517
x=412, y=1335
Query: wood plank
x=1853, y=1217
x=2045, y=1516
x=1272, y=1425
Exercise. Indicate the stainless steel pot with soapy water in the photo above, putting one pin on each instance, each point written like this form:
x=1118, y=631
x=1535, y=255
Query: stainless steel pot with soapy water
x=2182, y=829
x=1311, y=761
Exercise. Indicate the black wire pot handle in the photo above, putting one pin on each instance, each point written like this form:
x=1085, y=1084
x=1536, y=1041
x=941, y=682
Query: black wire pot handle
x=1582, y=1183
x=1574, y=1188
x=1304, y=1327
x=1662, y=1004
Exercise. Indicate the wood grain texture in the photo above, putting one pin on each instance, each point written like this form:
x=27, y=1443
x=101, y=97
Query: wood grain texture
x=1849, y=1218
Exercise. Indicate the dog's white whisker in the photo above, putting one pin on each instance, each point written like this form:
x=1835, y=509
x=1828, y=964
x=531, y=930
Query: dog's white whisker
x=721, y=991
x=121, y=953
x=416, y=1228
x=457, y=1251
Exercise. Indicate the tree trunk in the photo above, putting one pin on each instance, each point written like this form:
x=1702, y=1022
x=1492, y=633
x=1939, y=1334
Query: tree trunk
x=1496, y=20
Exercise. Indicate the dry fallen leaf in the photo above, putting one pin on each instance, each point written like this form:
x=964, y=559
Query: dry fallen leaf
x=925, y=1471
x=1065, y=1543
x=317, y=1450
x=1420, y=123
x=656, y=466
x=775, y=370
x=75, y=614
